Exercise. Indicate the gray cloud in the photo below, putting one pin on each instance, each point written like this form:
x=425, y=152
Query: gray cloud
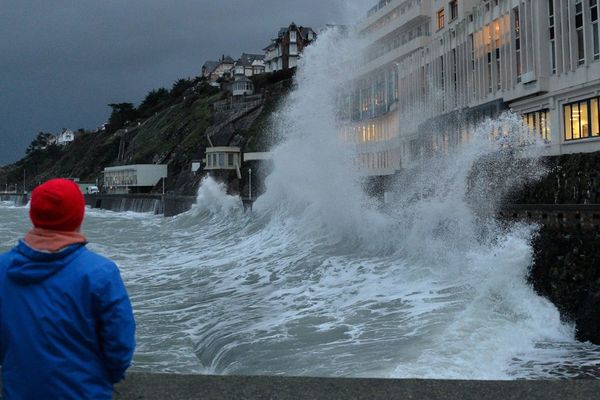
x=62, y=62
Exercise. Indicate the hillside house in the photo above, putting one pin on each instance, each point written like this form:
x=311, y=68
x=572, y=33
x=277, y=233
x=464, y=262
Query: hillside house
x=65, y=137
x=283, y=52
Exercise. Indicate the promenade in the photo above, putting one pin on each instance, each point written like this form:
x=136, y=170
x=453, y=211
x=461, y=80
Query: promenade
x=140, y=386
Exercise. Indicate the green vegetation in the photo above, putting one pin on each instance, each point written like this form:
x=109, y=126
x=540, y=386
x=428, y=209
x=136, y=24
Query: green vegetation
x=168, y=126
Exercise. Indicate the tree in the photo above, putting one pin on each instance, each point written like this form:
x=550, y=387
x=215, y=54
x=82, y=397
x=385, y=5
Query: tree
x=153, y=102
x=121, y=114
x=41, y=142
x=180, y=86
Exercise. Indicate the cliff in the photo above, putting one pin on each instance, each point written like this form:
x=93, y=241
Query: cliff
x=171, y=128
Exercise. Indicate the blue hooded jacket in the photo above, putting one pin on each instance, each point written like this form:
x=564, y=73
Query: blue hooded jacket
x=66, y=324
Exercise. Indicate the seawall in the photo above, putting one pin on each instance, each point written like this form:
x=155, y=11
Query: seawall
x=142, y=386
x=146, y=386
x=566, y=266
x=167, y=205
x=18, y=199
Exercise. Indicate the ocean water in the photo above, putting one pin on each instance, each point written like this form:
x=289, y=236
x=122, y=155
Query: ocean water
x=219, y=290
x=320, y=279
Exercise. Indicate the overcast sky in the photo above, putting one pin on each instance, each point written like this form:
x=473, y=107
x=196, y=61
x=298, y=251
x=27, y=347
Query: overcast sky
x=62, y=62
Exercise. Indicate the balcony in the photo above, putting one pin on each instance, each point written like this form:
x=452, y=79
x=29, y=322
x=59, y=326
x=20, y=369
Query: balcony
x=378, y=14
x=419, y=11
x=394, y=55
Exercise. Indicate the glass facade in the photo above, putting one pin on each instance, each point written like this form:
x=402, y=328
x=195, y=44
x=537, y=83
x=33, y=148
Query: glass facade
x=582, y=119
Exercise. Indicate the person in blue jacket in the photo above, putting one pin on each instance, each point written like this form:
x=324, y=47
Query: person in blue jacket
x=66, y=324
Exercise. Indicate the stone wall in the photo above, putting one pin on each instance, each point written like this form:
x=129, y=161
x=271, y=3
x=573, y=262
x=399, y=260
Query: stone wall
x=566, y=268
x=572, y=179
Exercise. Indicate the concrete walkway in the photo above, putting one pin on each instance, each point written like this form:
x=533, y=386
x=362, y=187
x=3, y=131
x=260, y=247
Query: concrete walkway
x=166, y=387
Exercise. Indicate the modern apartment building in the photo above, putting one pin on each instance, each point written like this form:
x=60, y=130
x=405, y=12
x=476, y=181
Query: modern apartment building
x=433, y=68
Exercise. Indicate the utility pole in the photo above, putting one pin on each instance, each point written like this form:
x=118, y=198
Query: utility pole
x=24, y=181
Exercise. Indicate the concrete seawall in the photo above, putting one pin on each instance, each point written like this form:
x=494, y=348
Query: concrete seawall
x=18, y=199
x=146, y=386
x=141, y=386
x=167, y=205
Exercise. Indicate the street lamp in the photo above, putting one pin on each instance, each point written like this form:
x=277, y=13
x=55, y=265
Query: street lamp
x=250, y=183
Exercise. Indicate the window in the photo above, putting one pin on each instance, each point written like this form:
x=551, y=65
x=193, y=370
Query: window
x=293, y=36
x=221, y=160
x=230, y=160
x=453, y=5
x=595, y=33
x=538, y=123
x=440, y=18
x=517, y=27
x=552, y=34
x=582, y=119
x=579, y=31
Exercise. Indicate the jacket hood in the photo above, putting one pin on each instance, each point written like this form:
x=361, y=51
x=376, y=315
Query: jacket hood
x=30, y=266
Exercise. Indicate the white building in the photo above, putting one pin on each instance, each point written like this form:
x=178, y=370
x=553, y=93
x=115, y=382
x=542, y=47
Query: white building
x=250, y=64
x=65, y=137
x=242, y=86
x=133, y=178
x=442, y=59
x=223, y=158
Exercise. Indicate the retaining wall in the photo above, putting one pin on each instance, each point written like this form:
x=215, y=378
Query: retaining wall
x=143, y=203
x=18, y=199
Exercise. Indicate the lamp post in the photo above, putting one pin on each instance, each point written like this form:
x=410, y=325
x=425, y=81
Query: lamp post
x=250, y=183
x=24, y=191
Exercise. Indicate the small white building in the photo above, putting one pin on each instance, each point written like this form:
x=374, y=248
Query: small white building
x=66, y=137
x=133, y=178
x=242, y=86
x=223, y=158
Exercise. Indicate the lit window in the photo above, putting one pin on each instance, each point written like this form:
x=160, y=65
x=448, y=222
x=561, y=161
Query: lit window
x=582, y=119
x=538, y=123
x=595, y=116
x=441, y=18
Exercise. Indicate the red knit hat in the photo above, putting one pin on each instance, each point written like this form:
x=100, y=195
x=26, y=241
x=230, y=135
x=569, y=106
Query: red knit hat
x=57, y=205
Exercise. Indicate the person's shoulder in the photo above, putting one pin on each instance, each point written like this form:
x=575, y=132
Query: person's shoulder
x=96, y=262
x=7, y=256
